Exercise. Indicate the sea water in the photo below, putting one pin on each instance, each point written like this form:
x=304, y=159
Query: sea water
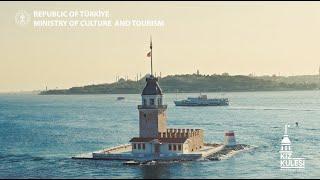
x=39, y=134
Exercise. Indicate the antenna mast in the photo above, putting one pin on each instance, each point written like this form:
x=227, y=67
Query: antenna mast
x=151, y=54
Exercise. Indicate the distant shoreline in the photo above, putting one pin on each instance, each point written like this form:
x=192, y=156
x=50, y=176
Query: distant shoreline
x=30, y=93
x=195, y=83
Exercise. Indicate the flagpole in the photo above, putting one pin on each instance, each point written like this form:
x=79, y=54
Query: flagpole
x=151, y=55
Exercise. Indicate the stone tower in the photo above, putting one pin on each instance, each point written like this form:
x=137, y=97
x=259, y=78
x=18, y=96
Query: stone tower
x=152, y=116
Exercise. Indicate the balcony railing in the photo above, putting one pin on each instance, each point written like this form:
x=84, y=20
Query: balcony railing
x=152, y=106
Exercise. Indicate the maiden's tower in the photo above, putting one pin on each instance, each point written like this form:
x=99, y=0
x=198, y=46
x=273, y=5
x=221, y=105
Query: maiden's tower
x=155, y=140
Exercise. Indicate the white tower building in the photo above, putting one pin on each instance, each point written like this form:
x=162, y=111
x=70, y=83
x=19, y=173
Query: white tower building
x=285, y=152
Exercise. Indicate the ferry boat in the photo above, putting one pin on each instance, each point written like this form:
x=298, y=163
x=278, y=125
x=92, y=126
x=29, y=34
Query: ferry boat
x=202, y=100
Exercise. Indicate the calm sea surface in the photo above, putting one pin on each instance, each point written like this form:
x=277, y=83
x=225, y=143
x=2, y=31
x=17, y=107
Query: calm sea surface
x=39, y=134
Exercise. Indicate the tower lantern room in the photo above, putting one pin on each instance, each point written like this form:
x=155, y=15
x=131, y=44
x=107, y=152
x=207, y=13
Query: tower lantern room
x=152, y=93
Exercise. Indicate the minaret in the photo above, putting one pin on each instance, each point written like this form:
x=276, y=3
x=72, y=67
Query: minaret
x=152, y=116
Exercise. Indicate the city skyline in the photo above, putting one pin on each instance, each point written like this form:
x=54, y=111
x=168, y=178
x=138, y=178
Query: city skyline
x=241, y=38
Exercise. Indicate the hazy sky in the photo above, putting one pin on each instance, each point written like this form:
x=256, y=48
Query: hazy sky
x=214, y=37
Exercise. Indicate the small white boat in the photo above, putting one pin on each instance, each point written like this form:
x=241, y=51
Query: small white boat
x=151, y=163
x=131, y=163
x=120, y=98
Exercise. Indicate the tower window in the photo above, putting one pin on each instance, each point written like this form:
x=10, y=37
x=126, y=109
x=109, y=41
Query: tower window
x=139, y=146
x=170, y=147
x=151, y=102
x=144, y=102
x=179, y=147
x=143, y=146
x=134, y=146
x=174, y=147
x=159, y=101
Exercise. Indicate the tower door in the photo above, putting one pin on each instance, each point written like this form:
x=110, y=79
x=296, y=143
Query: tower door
x=157, y=148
